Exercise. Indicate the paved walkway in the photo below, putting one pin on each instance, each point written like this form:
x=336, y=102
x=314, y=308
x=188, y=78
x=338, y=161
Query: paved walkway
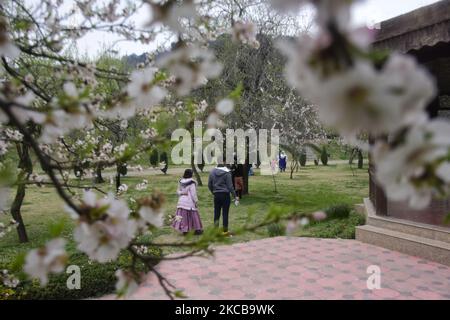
x=301, y=268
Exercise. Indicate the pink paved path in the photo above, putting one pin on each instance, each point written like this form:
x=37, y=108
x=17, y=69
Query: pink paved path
x=301, y=268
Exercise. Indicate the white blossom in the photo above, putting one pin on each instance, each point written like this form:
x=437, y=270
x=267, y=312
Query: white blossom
x=124, y=124
x=319, y=215
x=327, y=11
x=202, y=106
x=3, y=147
x=7, y=47
x=126, y=283
x=153, y=216
x=49, y=259
x=142, y=186
x=172, y=14
x=103, y=237
x=362, y=99
x=141, y=89
x=409, y=87
x=148, y=133
x=356, y=100
x=304, y=221
x=70, y=90
x=443, y=172
x=10, y=50
x=225, y=106
x=245, y=32
x=333, y=11
x=404, y=170
x=8, y=279
x=60, y=122
x=122, y=188
x=297, y=71
x=191, y=66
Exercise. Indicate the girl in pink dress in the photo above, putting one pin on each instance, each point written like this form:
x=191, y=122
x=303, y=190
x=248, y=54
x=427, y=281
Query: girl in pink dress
x=187, y=218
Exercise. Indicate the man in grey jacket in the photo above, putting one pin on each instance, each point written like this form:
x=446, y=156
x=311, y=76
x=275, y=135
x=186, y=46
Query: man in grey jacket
x=220, y=185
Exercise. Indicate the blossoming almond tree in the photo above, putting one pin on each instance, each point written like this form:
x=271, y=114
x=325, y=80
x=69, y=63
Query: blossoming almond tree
x=353, y=88
x=47, y=95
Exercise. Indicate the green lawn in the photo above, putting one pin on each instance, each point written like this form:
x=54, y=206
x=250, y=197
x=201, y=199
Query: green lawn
x=313, y=188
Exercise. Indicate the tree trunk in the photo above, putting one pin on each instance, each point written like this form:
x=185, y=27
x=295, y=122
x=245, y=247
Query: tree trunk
x=274, y=183
x=353, y=153
x=117, y=178
x=294, y=168
x=360, y=159
x=196, y=174
x=245, y=178
x=98, y=174
x=16, y=213
x=26, y=166
x=246, y=166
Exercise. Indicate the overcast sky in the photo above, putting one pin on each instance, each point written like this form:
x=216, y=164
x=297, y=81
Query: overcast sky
x=367, y=12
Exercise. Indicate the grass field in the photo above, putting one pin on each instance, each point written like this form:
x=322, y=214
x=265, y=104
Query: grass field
x=313, y=188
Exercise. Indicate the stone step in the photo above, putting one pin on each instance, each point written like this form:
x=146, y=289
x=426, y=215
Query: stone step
x=404, y=226
x=434, y=250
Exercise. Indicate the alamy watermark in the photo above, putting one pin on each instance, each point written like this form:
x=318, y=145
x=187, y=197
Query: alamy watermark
x=374, y=280
x=74, y=280
x=234, y=146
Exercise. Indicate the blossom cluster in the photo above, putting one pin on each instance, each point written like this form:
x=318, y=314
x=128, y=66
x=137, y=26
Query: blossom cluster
x=50, y=258
x=245, y=32
x=356, y=93
x=8, y=280
x=6, y=228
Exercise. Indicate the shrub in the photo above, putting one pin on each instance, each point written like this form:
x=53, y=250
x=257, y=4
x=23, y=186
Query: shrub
x=78, y=171
x=164, y=157
x=123, y=169
x=275, y=230
x=154, y=158
x=324, y=156
x=303, y=159
x=339, y=228
x=97, y=279
x=340, y=211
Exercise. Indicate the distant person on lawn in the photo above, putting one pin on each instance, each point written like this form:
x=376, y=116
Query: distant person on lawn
x=282, y=162
x=238, y=176
x=187, y=217
x=220, y=184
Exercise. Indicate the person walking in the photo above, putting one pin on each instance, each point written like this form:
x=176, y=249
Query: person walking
x=282, y=162
x=220, y=184
x=238, y=177
x=187, y=217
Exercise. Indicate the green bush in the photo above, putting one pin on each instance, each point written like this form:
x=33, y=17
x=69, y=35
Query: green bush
x=96, y=280
x=154, y=158
x=275, y=230
x=164, y=157
x=78, y=171
x=337, y=228
x=341, y=211
x=123, y=169
x=324, y=156
x=303, y=159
